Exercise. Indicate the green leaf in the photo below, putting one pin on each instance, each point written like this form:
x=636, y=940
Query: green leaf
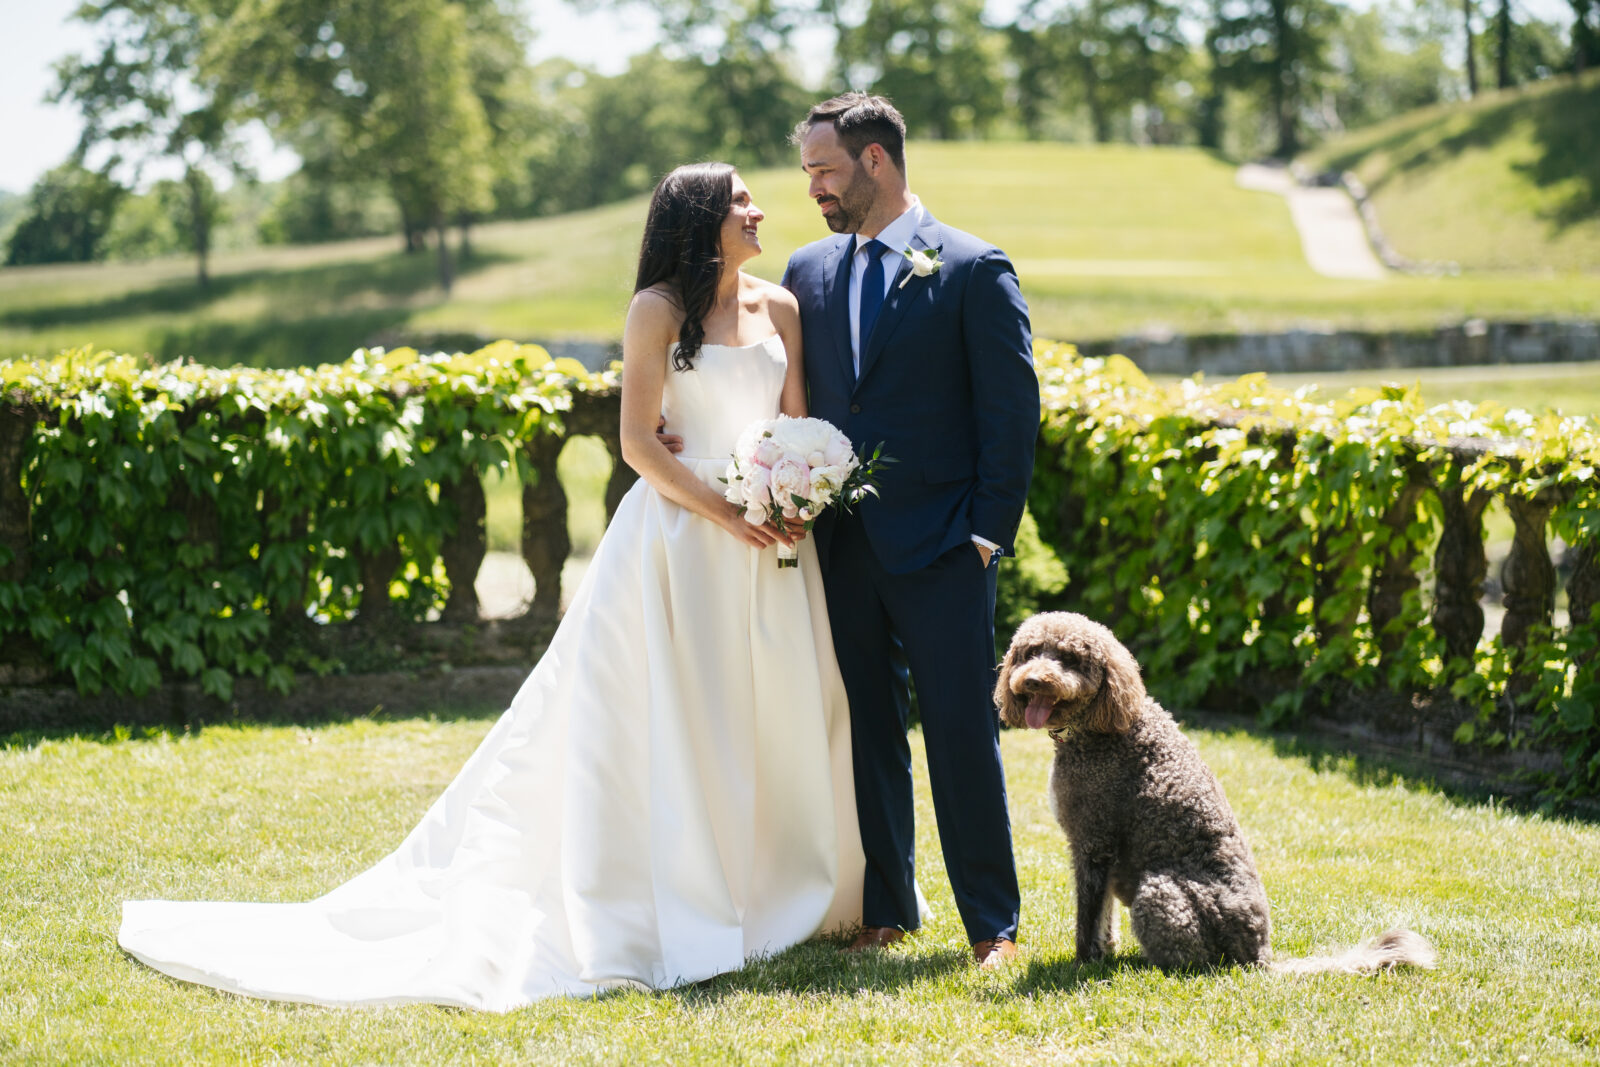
x=280, y=679
x=217, y=682
x=188, y=658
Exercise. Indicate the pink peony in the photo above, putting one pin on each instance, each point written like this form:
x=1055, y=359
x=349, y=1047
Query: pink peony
x=790, y=479
x=768, y=452
x=758, y=486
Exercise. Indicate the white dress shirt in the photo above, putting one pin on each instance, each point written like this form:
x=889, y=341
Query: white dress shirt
x=896, y=237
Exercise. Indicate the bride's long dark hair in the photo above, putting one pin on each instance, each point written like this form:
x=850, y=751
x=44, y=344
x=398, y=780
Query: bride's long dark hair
x=682, y=246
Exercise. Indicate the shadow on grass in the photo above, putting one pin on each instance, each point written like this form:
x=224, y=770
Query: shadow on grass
x=1564, y=120
x=821, y=968
x=1067, y=974
x=1369, y=766
x=274, y=341
x=299, y=300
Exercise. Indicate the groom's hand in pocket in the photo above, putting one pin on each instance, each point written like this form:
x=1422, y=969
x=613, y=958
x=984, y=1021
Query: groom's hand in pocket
x=672, y=441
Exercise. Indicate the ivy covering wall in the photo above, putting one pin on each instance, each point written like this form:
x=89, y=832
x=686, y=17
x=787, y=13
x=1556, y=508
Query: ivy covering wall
x=182, y=521
x=1282, y=549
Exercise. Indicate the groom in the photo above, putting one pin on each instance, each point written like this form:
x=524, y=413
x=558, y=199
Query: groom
x=931, y=357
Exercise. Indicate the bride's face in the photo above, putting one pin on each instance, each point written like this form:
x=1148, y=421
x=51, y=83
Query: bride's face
x=739, y=239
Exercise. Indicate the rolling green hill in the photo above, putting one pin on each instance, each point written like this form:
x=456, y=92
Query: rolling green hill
x=1509, y=181
x=1107, y=240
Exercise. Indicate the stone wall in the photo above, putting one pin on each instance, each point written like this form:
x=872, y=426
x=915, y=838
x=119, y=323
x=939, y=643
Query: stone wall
x=1472, y=343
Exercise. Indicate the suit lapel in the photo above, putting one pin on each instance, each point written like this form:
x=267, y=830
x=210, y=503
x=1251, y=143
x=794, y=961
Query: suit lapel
x=903, y=292
x=836, y=301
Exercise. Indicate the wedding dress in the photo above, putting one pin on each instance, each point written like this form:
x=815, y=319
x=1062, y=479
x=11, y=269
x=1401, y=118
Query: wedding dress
x=668, y=795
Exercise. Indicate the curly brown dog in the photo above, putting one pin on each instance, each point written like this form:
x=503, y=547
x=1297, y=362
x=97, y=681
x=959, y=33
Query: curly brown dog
x=1148, y=822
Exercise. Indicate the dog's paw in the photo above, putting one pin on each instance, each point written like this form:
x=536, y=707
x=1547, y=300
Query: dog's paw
x=1095, y=951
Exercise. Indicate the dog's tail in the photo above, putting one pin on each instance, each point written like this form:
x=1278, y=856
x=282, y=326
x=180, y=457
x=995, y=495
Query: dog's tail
x=1390, y=949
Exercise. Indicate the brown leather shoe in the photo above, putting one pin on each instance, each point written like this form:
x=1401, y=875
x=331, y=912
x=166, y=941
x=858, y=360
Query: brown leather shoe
x=994, y=952
x=875, y=937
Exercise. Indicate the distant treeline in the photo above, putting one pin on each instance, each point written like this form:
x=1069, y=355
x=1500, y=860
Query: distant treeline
x=418, y=116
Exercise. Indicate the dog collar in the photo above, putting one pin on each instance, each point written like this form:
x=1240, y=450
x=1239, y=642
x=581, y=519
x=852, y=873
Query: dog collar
x=1059, y=736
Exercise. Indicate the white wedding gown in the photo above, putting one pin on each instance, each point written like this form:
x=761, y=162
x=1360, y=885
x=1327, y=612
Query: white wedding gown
x=668, y=795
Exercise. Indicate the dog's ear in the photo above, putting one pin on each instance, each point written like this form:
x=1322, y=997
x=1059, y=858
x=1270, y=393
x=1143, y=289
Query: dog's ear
x=1121, y=697
x=1004, y=699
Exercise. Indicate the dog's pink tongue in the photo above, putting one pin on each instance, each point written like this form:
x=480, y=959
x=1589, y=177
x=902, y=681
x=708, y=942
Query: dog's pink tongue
x=1038, y=712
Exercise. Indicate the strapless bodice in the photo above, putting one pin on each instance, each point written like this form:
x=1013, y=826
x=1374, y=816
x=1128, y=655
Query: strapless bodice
x=728, y=388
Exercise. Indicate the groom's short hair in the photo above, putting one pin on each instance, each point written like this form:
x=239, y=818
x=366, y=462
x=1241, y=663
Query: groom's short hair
x=860, y=119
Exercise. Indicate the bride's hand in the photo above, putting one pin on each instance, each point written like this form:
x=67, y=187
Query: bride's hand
x=763, y=536
x=754, y=536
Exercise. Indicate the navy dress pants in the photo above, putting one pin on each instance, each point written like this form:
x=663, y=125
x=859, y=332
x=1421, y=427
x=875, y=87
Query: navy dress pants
x=941, y=619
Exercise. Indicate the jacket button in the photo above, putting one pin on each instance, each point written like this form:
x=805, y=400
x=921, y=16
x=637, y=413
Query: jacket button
x=855, y=409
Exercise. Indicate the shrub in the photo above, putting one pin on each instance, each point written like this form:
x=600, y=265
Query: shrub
x=1257, y=545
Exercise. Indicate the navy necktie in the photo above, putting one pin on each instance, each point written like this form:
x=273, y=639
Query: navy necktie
x=871, y=296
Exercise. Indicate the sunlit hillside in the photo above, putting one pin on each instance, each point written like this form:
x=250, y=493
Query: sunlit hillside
x=1509, y=181
x=1107, y=240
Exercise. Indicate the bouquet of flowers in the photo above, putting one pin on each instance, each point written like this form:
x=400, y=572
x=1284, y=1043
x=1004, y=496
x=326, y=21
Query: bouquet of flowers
x=787, y=471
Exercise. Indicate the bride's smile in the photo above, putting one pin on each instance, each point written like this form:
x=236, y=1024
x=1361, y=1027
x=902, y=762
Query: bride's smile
x=739, y=238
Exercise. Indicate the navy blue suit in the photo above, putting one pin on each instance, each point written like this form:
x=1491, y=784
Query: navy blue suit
x=947, y=387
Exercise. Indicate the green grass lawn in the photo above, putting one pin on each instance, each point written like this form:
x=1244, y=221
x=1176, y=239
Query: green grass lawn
x=1107, y=241
x=285, y=813
x=1568, y=388
x=1508, y=181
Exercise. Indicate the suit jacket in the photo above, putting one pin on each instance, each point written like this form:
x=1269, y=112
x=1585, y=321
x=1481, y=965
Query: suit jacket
x=947, y=386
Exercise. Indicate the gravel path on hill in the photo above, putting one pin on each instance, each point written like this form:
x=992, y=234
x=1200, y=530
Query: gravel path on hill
x=1331, y=233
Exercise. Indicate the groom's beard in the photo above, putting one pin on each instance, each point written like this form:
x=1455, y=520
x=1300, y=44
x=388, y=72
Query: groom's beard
x=853, y=205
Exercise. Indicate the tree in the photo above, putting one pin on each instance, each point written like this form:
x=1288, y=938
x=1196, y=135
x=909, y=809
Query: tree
x=1276, y=47
x=498, y=38
x=66, y=218
x=936, y=59
x=143, y=227
x=1108, y=55
x=1388, y=62
x=1472, y=60
x=1585, y=34
x=1529, y=50
x=305, y=210
x=640, y=124
x=380, y=87
x=739, y=52
x=1502, y=46
x=12, y=206
x=142, y=95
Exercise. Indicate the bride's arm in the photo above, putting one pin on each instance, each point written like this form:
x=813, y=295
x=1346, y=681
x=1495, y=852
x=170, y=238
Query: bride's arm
x=653, y=325
x=786, y=318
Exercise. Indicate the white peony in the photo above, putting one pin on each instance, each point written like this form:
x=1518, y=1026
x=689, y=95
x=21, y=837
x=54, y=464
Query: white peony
x=825, y=482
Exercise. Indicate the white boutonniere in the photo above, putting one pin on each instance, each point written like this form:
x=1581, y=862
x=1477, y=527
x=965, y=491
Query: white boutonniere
x=924, y=261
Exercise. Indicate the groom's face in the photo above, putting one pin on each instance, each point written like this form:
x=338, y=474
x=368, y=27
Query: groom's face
x=840, y=185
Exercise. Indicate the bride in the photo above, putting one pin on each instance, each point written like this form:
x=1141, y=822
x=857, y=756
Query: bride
x=669, y=793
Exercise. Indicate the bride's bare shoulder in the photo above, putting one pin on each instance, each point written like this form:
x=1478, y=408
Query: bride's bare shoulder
x=659, y=299
x=778, y=303
x=656, y=310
